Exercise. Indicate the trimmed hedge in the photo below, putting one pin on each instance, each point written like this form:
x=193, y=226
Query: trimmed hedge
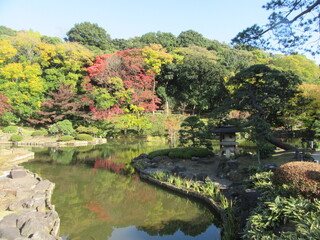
x=16, y=138
x=302, y=177
x=40, y=133
x=65, y=138
x=187, y=152
x=84, y=137
x=10, y=129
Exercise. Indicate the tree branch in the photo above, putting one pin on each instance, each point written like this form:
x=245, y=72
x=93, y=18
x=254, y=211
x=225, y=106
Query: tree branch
x=309, y=9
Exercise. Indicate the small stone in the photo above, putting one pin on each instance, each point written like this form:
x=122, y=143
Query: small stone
x=18, y=173
x=27, y=202
x=195, y=158
x=269, y=167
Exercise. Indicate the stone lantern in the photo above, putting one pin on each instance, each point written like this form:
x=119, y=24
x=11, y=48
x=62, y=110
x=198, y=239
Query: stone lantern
x=227, y=137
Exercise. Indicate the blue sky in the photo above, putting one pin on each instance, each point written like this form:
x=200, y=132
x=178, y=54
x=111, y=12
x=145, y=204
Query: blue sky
x=215, y=19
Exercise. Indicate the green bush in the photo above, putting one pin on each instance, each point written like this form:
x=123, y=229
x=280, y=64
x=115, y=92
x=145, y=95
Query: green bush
x=187, y=152
x=65, y=138
x=39, y=133
x=87, y=130
x=8, y=117
x=84, y=137
x=301, y=213
x=63, y=127
x=162, y=152
x=10, y=129
x=302, y=177
x=16, y=138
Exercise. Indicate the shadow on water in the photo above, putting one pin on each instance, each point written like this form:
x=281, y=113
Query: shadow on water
x=99, y=204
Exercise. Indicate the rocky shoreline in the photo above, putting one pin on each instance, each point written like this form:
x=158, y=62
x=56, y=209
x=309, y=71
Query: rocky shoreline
x=25, y=207
x=56, y=144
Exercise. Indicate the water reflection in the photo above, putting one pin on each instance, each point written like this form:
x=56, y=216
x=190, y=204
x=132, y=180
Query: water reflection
x=98, y=204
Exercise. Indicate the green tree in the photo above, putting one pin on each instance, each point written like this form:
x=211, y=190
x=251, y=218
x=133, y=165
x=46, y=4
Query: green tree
x=195, y=83
x=90, y=35
x=167, y=40
x=305, y=68
x=5, y=32
x=265, y=93
x=194, y=133
x=191, y=37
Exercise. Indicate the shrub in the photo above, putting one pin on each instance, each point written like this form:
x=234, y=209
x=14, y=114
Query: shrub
x=16, y=138
x=187, y=152
x=162, y=152
x=62, y=127
x=39, y=133
x=88, y=130
x=84, y=137
x=10, y=129
x=7, y=118
x=302, y=177
x=65, y=138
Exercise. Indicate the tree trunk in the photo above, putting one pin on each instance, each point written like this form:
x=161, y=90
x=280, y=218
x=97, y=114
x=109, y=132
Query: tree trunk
x=275, y=141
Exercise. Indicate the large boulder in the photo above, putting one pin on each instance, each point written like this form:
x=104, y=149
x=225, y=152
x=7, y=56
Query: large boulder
x=9, y=233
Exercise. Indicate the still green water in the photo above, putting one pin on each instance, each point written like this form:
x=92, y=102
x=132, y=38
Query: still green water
x=101, y=205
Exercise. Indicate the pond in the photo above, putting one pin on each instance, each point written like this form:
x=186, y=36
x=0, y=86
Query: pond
x=99, y=204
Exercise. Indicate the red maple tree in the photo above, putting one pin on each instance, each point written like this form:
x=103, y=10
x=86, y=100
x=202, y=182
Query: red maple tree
x=4, y=105
x=129, y=66
x=64, y=103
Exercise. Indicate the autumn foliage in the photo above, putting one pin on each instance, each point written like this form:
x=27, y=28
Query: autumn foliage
x=120, y=79
x=109, y=164
x=303, y=177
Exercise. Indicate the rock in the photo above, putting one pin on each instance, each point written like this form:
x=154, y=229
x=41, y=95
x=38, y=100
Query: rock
x=32, y=226
x=250, y=198
x=269, y=167
x=201, y=176
x=153, y=165
x=179, y=168
x=42, y=236
x=18, y=173
x=14, y=206
x=9, y=221
x=147, y=171
x=233, y=164
x=44, y=185
x=27, y=202
x=27, y=215
x=205, y=160
x=9, y=233
x=160, y=158
x=195, y=158
x=141, y=156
